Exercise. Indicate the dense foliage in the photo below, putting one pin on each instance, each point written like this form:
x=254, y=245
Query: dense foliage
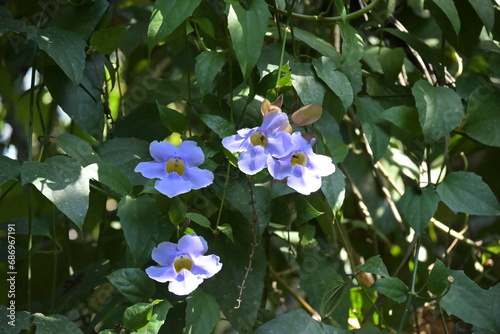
x=150, y=181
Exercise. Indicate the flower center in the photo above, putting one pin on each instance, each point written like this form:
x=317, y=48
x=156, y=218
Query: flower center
x=183, y=262
x=175, y=165
x=298, y=158
x=258, y=138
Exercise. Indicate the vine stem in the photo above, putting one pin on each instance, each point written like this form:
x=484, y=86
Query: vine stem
x=253, y=245
x=412, y=292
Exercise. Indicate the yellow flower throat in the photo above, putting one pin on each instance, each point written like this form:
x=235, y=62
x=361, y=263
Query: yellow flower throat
x=175, y=165
x=298, y=158
x=258, y=138
x=183, y=262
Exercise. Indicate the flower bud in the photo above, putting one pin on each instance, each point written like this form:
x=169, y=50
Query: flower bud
x=307, y=114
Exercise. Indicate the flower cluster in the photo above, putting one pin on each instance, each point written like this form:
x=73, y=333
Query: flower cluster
x=183, y=264
x=176, y=168
x=287, y=156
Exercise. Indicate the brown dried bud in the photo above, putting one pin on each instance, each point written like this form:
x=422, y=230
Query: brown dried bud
x=307, y=114
x=267, y=107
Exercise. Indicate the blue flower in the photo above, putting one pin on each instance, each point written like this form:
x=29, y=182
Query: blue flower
x=259, y=143
x=302, y=168
x=176, y=168
x=183, y=264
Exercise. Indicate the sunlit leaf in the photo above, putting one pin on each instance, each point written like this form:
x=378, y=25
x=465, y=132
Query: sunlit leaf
x=208, y=65
x=374, y=265
x=352, y=45
x=483, y=116
x=485, y=11
x=133, y=284
x=308, y=88
x=392, y=287
x=418, y=206
x=450, y=11
x=219, y=125
x=335, y=80
x=198, y=219
x=438, y=278
x=172, y=119
x=318, y=44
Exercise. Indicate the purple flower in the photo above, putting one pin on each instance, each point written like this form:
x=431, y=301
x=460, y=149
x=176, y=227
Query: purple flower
x=301, y=167
x=176, y=168
x=183, y=264
x=259, y=143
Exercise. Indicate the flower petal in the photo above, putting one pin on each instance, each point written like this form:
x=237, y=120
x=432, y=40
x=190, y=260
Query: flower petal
x=279, y=168
x=165, y=253
x=303, y=180
x=172, y=185
x=279, y=144
x=206, y=266
x=274, y=121
x=162, y=274
x=239, y=142
x=321, y=165
x=199, y=178
x=253, y=161
x=190, y=153
x=162, y=151
x=185, y=283
x=152, y=169
x=193, y=245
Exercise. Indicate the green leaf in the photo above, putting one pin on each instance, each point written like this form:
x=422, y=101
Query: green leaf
x=133, y=283
x=202, y=313
x=125, y=154
x=83, y=102
x=9, y=23
x=466, y=192
x=418, y=207
x=332, y=138
x=438, y=278
x=333, y=296
x=374, y=265
x=392, y=287
x=309, y=89
x=486, y=12
x=77, y=148
x=297, y=321
x=352, y=45
x=15, y=322
x=391, y=61
x=137, y=315
x=247, y=29
x=450, y=11
x=423, y=49
x=440, y=110
x=65, y=47
x=333, y=187
x=9, y=169
x=81, y=19
x=472, y=304
x=107, y=40
x=177, y=211
x=55, y=323
x=160, y=310
x=335, y=80
x=112, y=177
x=172, y=119
x=64, y=182
x=168, y=15
x=374, y=126
x=217, y=124
x=198, y=219
x=208, y=65
x=138, y=218
x=318, y=44
x=483, y=116
x=404, y=117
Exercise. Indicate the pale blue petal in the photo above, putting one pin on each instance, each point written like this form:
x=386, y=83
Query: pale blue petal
x=253, y=161
x=199, y=178
x=185, y=283
x=274, y=121
x=189, y=152
x=192, y=245
x=303, y=180
x=172, y=185
x=206, y=266
x=239, y=142
x=162, y=151
x=299, y=143
x=279, y=144
x=279, y=168
x=165, y=253
x=320, y=164
x=162, y=274
x=152, y=169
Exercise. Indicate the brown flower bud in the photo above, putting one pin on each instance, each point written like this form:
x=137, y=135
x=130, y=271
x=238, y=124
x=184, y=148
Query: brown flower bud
x=307, y=114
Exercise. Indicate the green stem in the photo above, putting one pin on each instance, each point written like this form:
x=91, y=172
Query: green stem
x=331, y=19
x=283, y=40
x=226, y=182
x=412, y=292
